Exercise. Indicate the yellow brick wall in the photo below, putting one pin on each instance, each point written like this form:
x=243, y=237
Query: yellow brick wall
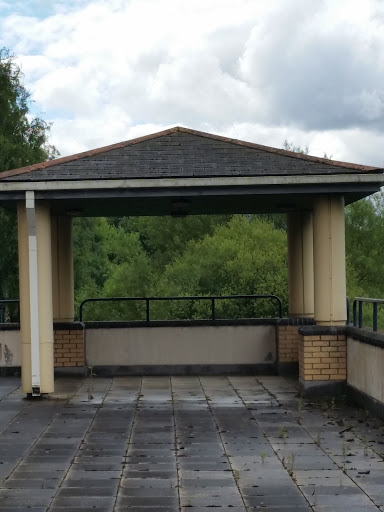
x=288, y=343
x=69, y=348
x=323, y=357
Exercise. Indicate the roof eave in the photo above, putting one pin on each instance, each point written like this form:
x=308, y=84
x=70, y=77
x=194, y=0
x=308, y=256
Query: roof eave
x=261, y=181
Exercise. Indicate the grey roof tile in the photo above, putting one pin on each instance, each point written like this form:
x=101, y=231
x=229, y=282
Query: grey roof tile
x=181, y=153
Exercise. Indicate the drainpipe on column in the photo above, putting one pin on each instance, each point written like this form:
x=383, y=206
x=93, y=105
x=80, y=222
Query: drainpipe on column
x=33, y=291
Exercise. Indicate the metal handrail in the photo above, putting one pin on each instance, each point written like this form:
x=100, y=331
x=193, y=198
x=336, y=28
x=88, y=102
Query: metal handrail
x=12, y=301
x=348, y=306
x=211, y=298
x=358, y=310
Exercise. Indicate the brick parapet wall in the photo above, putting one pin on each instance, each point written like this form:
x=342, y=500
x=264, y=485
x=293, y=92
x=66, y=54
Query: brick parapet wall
x=323, y=357
x=69, y=347
x=288, y=339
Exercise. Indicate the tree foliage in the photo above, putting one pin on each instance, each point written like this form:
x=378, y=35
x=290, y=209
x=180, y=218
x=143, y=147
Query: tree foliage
x=23, y=141
x=130, y=256
x=245, y=257
x=23, y=138
x=110, y=262
x=235, y=255
x=165, y=238
x=364, y=223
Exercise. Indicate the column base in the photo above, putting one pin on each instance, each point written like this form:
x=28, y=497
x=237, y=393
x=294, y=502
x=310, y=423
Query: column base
x=318, y=388
x=301, y=315
x=322, y=359
x=336, y=323
x=69, y=346
x=288, y=369
x=42, y=396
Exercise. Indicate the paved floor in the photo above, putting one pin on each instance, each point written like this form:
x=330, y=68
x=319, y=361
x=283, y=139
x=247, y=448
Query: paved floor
x=161, y=444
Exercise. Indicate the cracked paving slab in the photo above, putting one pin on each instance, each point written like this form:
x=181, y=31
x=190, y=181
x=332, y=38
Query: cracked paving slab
x=186, y=443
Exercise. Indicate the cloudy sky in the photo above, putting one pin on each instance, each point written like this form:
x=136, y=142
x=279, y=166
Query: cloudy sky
x=103, y=71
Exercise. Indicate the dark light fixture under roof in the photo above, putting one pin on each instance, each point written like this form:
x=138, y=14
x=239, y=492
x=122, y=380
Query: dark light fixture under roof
x=286, y=207
x=180, y=207
x=74, y=212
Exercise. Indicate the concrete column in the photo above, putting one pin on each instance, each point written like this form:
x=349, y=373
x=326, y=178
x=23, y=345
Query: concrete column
x=300, y=264
x=329, y=260
x=62, y=269
x=41, y=286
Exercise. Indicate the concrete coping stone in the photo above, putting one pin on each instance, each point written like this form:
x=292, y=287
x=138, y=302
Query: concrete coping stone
x=296, y=321
x=57, y=326
x=366, y=336
x=9, y=327
x=79, y=326
x=67, y=326
x=199, y=323
x=322, y=330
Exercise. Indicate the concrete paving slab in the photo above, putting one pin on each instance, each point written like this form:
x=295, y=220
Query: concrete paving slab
x=182, y=443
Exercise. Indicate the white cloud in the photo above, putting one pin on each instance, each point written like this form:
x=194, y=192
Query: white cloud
x=309, y=71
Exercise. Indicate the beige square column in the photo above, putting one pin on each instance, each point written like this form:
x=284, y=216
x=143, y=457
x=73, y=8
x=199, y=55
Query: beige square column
x=300, y=264
x=329, y=260
x=322, y=357
x=62, y=269
x=300, y=287
x=35, y=277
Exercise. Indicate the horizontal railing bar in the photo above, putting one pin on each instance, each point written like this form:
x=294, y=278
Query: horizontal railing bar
x=193, y=297
x=366, y=299
x=212, y=298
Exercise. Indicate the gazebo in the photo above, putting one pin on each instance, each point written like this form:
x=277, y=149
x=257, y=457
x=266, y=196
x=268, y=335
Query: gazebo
x=178, y=171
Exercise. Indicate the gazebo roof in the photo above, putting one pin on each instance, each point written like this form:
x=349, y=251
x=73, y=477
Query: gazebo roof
x=181, y=153
x=181, y=171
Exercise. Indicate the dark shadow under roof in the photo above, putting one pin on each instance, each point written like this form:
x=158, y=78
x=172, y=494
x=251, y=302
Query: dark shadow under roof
x=181, y=153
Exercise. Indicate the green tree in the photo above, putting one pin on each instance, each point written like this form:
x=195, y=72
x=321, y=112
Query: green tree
x=110, y=262
x=247, y=256
x=364, y=223
x=23, y=141
x=23, y=138
x=91, y=264
x=364, y=233
x=8, y=256
x=165, y=238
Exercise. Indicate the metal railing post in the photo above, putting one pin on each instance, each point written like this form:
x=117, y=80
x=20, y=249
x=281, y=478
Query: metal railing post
x=374, y=314
x=360, y=314
x=348, y=305
x=354, y=310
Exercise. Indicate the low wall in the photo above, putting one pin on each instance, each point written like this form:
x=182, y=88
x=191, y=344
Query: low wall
x=365, y=359
x=68, y=345
x=177, y=347
x=10, y=346
x=180, y=346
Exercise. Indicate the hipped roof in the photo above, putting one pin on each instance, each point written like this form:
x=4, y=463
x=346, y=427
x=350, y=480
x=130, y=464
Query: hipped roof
x=181, y=153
